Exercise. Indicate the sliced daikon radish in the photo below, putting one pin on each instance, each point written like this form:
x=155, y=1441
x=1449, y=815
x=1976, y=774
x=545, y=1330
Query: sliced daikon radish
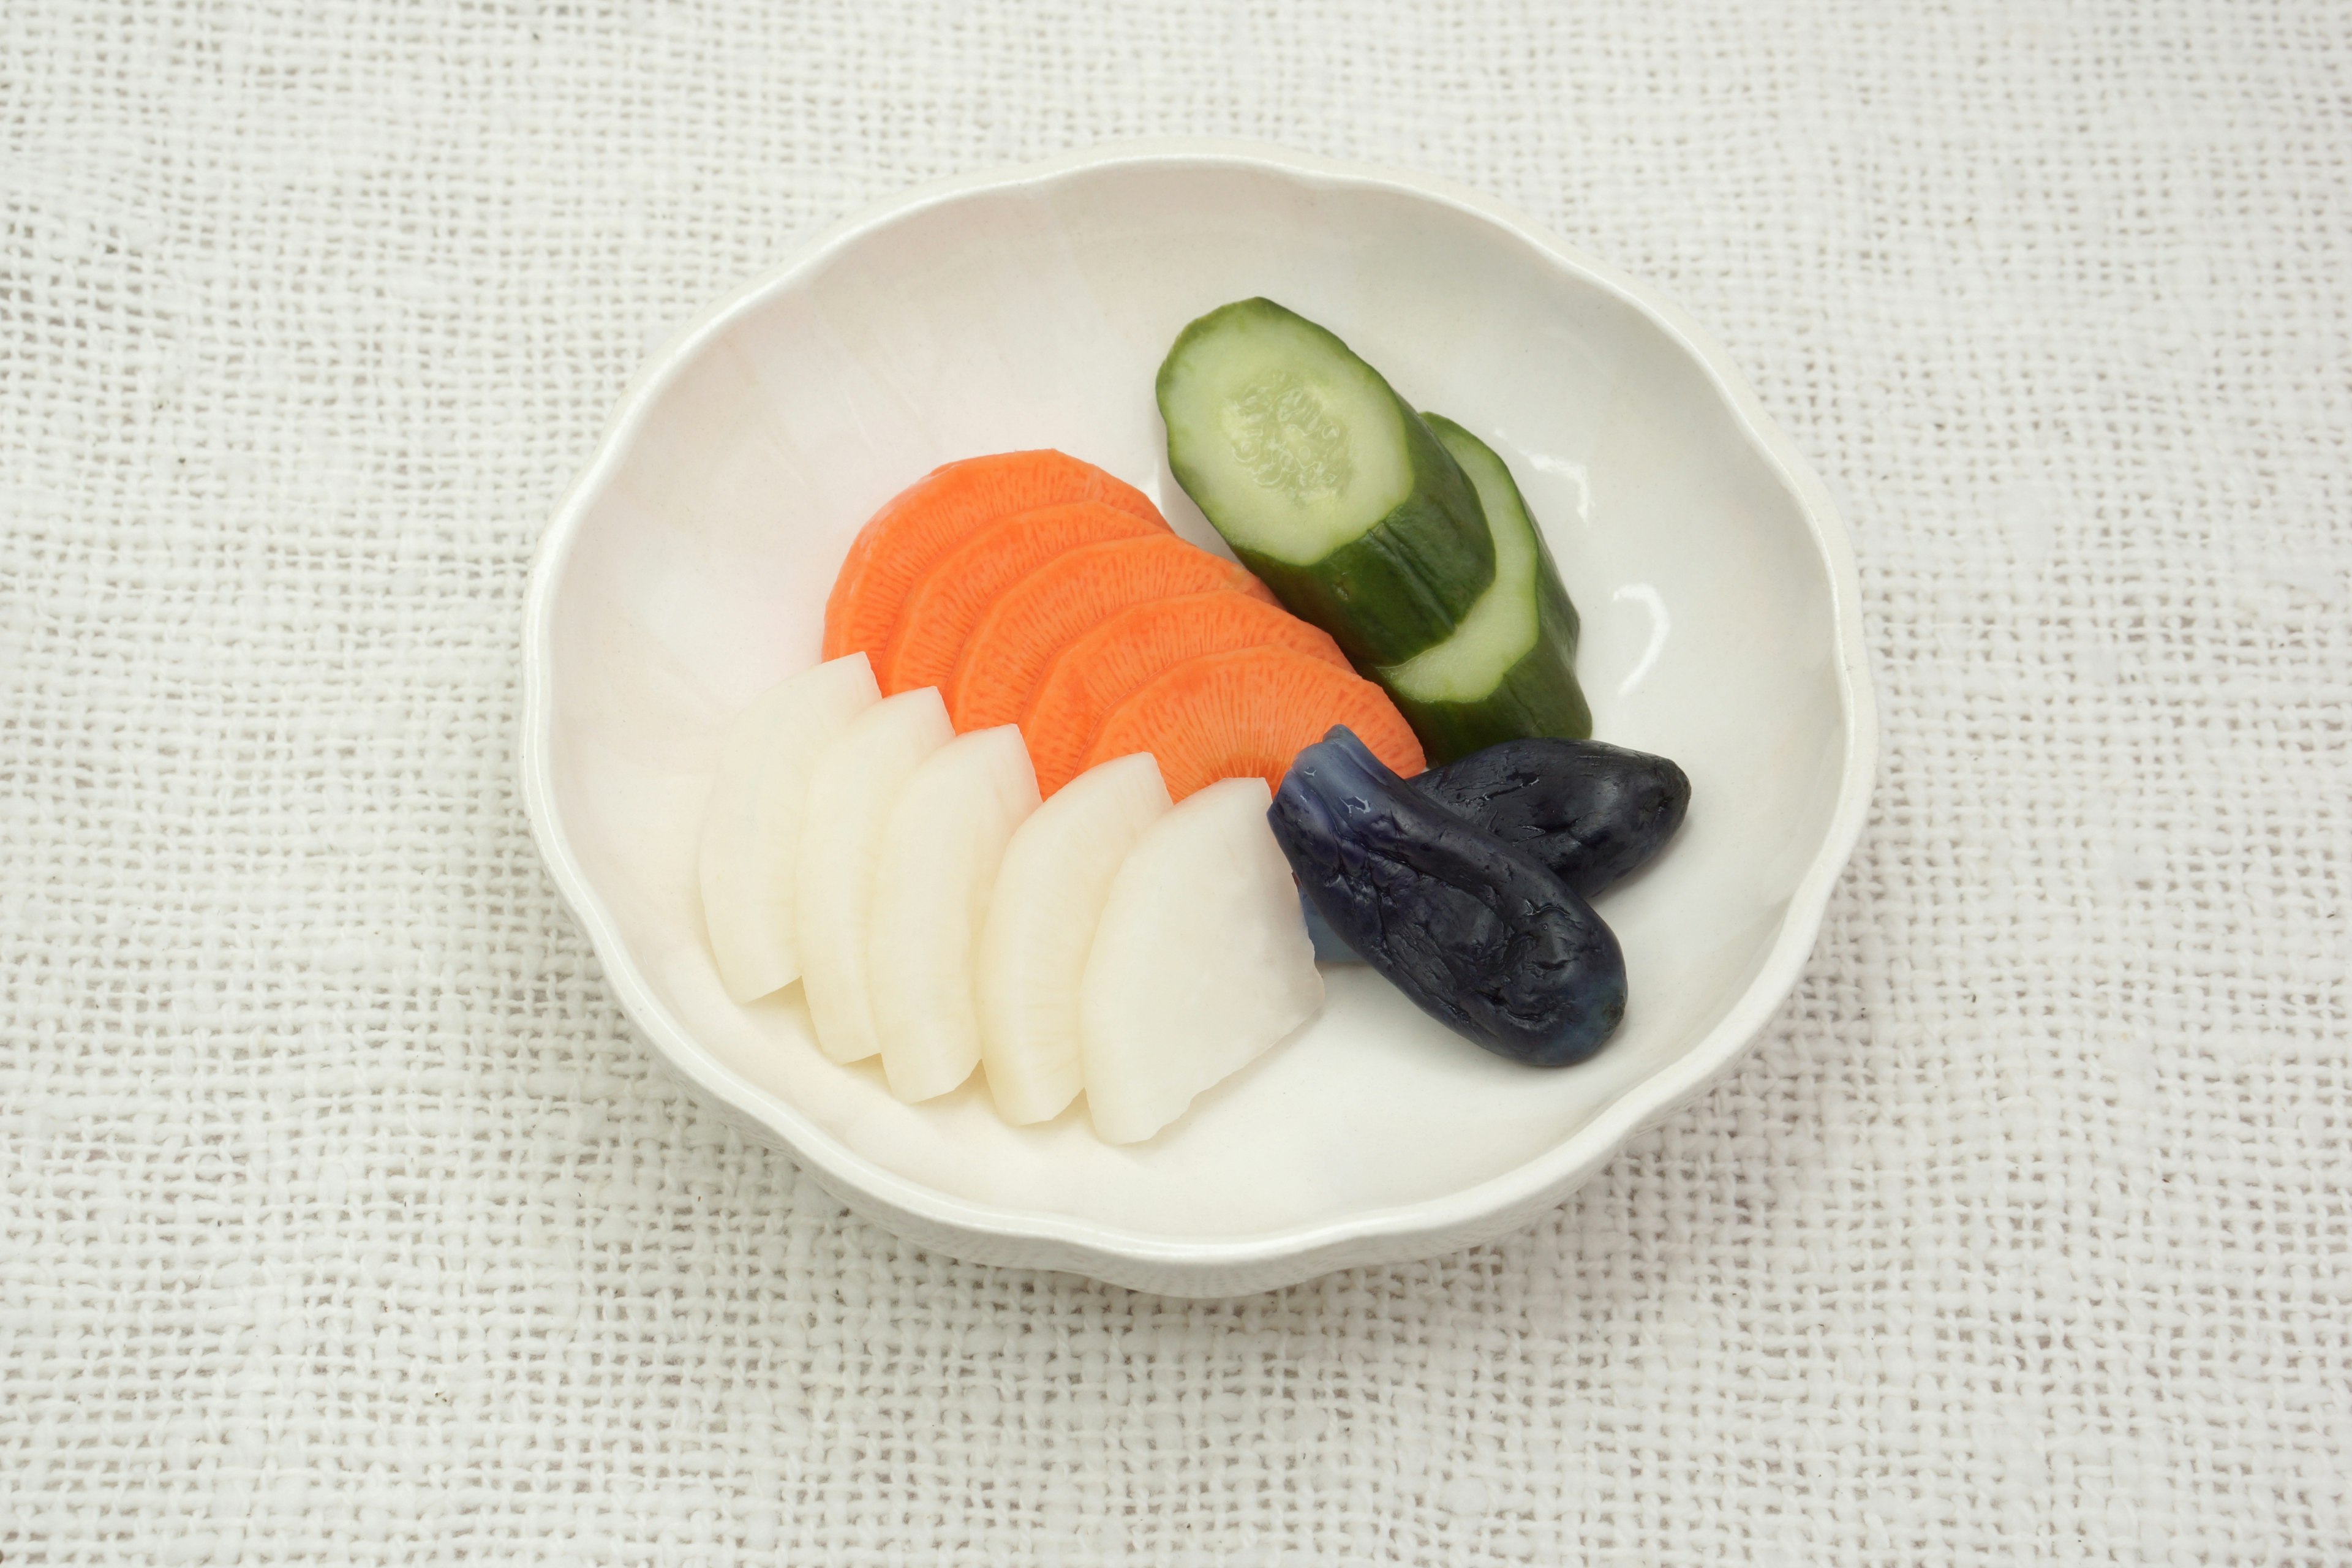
x=857, y=780
x=751, y=826
x=1200, y=963
x=940, y=855
x=1056, y=874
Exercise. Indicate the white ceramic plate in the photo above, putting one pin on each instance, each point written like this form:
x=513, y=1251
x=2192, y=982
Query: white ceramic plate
x=688, y=568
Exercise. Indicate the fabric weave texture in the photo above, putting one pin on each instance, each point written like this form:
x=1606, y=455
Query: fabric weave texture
x=344, y=1219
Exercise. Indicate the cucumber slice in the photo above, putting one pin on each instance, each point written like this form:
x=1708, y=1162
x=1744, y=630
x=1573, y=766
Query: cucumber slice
x=1326, y=484
x=1508, y=671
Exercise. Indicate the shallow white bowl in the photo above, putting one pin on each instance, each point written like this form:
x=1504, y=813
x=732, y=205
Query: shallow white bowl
x=687, y=571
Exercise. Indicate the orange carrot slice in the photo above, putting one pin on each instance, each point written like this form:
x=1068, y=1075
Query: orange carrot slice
x=1229, y=715
x=947, y=604
x=1125, y=653
x=937, y=512
x=1006, y=658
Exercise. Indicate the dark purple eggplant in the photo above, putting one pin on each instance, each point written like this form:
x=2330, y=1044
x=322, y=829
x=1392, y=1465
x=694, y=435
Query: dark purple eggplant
x=1593, y=814
x=1480, y=936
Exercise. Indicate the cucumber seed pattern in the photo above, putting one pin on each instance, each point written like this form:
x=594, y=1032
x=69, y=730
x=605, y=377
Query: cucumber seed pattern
x=1287, y=441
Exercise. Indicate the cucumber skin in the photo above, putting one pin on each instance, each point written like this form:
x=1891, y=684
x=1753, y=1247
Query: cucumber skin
x=1538, y=695
x=1399, y=588
x=1402, y=586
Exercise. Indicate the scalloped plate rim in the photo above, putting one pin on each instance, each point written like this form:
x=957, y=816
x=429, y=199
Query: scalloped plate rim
x=1250, y=1263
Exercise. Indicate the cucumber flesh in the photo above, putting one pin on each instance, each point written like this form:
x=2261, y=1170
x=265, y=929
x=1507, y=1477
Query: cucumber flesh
x=1508, y=671
x=1324, y=481
x=1292, y=445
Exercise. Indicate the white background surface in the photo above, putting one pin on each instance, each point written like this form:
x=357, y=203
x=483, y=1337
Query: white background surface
x=340, y=1216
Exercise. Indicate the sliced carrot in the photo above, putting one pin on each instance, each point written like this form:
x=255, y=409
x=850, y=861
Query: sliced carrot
x=1125, y=653
x=947, y=604
x=937, y=512
x=1006, y=658
x=1229, y=715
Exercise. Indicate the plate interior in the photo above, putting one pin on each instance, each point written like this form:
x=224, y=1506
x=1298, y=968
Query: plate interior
x=1036, y=316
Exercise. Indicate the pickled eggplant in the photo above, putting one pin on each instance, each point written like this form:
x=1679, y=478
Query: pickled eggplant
x=1591, y=814
x=1479, y=935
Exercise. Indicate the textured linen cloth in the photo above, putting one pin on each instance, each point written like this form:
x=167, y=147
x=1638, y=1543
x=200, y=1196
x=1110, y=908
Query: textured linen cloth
x=343, y=1218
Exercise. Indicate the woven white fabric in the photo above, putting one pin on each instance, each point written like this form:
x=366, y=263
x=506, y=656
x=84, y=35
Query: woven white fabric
x=342, y=1218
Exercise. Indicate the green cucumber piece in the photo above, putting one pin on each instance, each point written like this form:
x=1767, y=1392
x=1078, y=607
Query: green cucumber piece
x=1324, y=481
x=1509, y=669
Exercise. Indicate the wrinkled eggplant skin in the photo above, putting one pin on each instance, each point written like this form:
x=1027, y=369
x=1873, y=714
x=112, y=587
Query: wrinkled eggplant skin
x=1593, y=814
x=1480, y=936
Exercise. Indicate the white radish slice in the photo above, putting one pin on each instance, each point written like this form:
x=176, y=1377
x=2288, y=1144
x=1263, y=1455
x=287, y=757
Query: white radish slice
x=855, y=781
x=938, y=867
x=1050, y=891
x=751, y=826
x=1201, y=961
